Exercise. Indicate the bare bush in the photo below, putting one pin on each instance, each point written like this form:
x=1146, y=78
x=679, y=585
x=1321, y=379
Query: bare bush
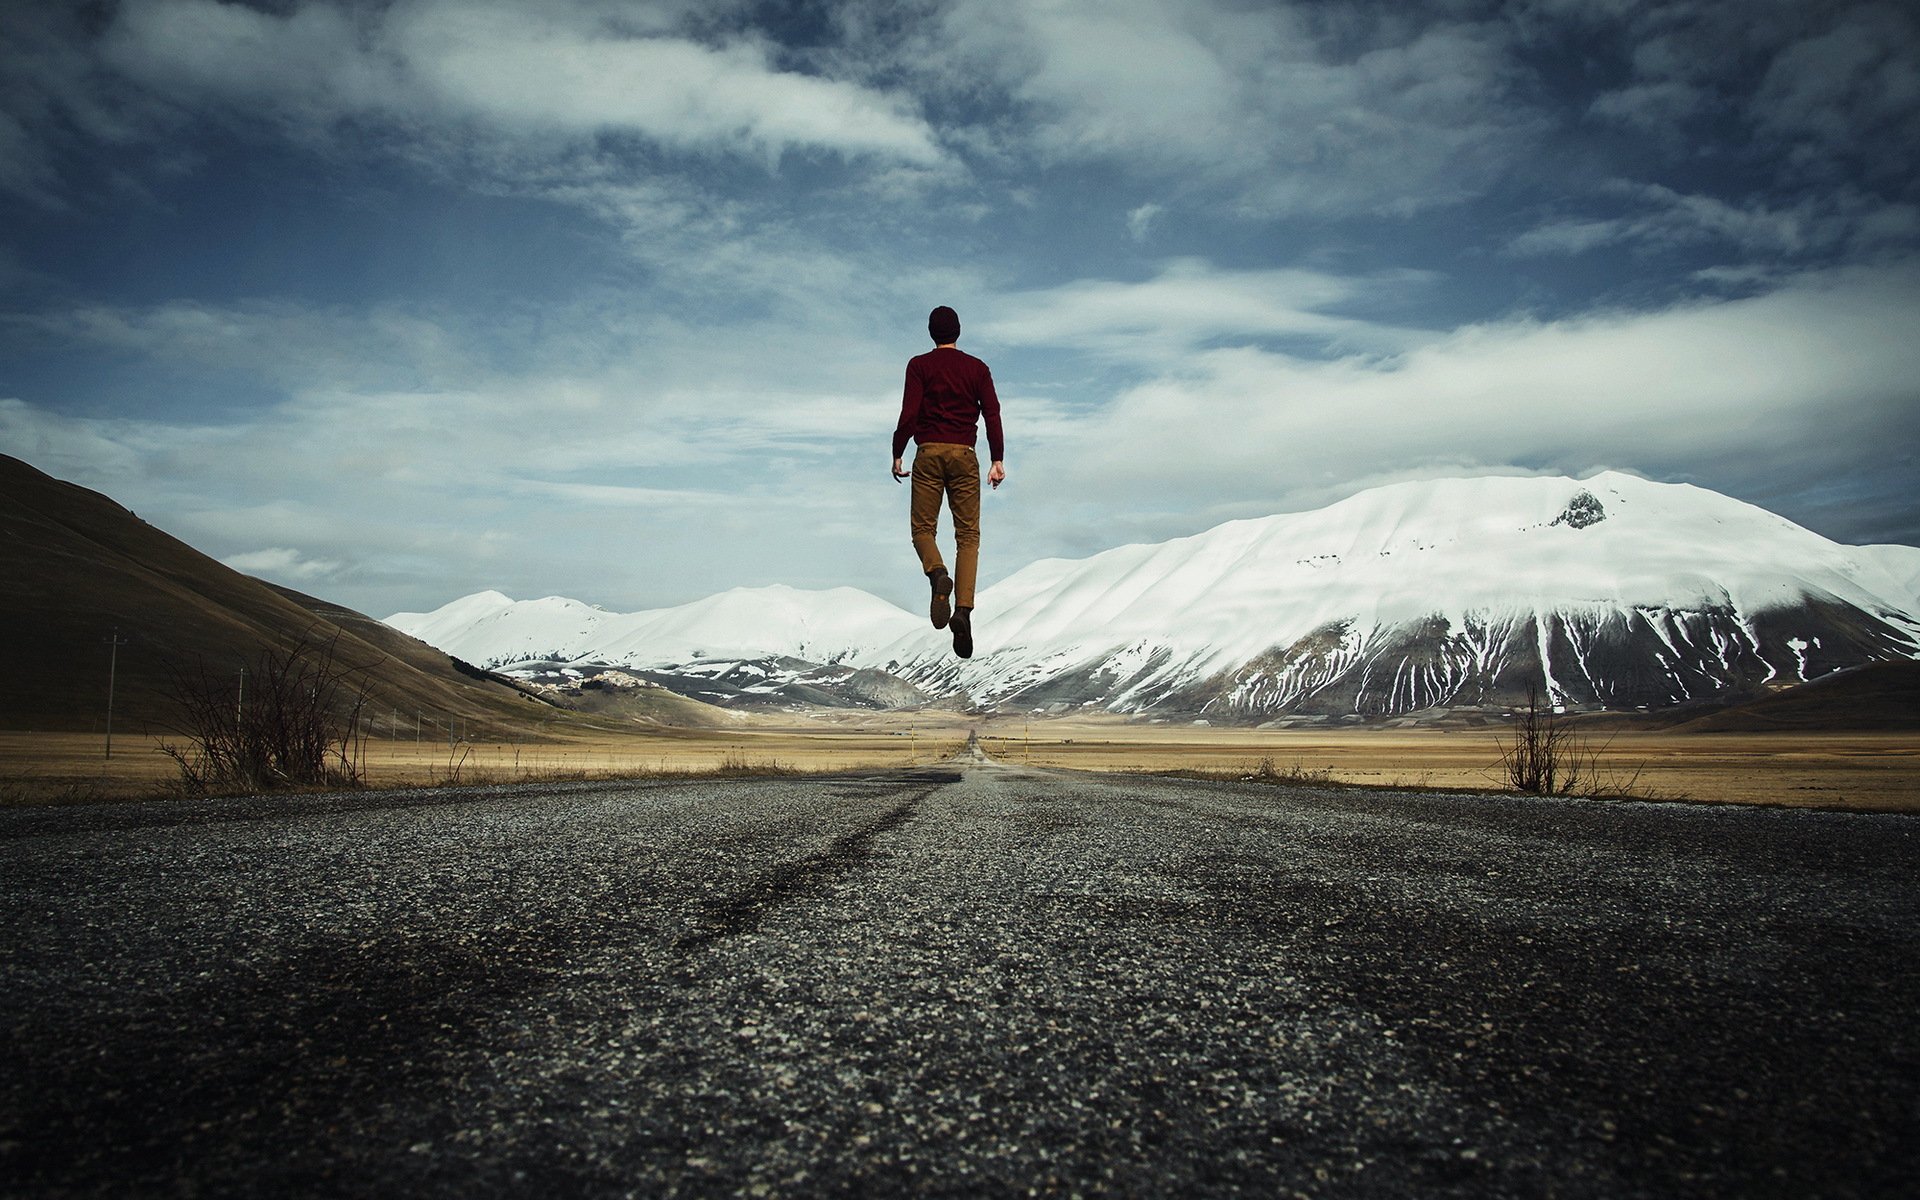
x=1543, y=756
x=1299, y=774
x=292, y=720
x=736, y=763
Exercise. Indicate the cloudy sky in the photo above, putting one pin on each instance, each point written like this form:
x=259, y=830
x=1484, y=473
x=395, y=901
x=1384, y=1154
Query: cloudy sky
x=395, y=301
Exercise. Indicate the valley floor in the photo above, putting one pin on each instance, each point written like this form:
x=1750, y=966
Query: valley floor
x=1860, y=771
x=1869, y=772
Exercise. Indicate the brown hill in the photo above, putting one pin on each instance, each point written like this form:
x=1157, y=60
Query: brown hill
x=75, y=567
x=1882, y=696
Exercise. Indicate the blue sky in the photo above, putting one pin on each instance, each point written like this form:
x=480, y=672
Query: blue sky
x=393, y=302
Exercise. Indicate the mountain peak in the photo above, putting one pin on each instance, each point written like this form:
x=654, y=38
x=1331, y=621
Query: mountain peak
x=1581, y=511
x=1612, y=590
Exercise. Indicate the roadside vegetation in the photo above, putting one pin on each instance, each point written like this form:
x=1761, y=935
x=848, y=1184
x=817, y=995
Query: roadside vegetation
x=29, y=787
x=297, y=720
x=735, y=765
x=67, y=769
x=1545, y=754
x=1542, y=755
x=1298, y=773
x=293, y=718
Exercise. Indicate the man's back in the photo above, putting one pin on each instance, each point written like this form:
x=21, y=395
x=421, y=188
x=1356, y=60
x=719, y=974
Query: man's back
x=947, y=392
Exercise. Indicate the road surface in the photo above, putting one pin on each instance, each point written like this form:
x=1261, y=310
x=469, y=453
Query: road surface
x=960, y=980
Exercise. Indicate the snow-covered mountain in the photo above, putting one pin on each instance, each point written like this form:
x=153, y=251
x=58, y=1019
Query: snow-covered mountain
x=491, y=630
x=1612, y=591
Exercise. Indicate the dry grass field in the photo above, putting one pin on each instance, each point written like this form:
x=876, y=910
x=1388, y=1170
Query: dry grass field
x=1861, y=771
x=72, y=767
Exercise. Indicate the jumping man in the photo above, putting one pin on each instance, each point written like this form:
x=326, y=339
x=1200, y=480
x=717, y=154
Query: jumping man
x=947, y=391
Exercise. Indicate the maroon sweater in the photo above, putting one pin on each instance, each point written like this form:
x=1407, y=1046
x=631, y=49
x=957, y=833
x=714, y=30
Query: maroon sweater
x=947, y=391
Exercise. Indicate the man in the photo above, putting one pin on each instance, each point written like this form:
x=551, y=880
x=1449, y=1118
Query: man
x=947, y=391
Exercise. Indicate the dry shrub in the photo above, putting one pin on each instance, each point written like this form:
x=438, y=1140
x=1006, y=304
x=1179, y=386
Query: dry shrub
x=1299, y=774
x=1544, y=756
x=296, y=722
x=735, y=763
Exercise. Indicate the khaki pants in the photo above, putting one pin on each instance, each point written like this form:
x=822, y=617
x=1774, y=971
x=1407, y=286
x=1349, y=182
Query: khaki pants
x=944, y=469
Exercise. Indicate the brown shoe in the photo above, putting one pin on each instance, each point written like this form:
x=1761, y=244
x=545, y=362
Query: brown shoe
x=939, y=610
x=963, y=632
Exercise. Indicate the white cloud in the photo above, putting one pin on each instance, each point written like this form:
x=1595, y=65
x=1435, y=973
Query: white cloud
x=408, y=501
x=309, y=59
x=1669, y=218
x=496, y=63
x=1278, y=108
x=1818, y=370
x=1571, y=235
x=1828, y=83
x=49, y=92
x=1838, y=220
x=565, y=70
x=1656, y=109
x=282, y=564
x=291, y=345
x=1753, y=226
x=1140, y=220
x=1813, y=380
x=1190, y=305
x=601, y=495
x=1853, y=83
x=91, y=452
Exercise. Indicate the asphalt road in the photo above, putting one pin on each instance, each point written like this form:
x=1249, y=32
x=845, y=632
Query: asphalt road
x=957, y=980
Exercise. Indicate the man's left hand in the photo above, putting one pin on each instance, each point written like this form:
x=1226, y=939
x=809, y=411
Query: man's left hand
x=900, y=472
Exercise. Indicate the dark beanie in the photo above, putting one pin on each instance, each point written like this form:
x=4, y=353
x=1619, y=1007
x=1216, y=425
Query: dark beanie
x=943, y=325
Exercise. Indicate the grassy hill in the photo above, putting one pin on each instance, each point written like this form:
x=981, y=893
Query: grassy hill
x=75, y=567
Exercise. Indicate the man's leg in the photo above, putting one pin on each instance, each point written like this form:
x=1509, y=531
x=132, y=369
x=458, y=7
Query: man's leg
x=963, y=497
x=929, y=484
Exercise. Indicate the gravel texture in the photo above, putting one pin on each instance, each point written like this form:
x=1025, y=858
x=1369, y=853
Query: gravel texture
x=969, y=979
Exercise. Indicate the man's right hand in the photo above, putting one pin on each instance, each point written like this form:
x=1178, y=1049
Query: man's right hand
x=997, y=474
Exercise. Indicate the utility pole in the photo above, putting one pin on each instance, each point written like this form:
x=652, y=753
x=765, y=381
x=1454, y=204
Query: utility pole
x=113, y=668
x=240, y=705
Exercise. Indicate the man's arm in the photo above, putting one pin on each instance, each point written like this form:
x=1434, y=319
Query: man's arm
x=996, y=442
x=909, y=417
